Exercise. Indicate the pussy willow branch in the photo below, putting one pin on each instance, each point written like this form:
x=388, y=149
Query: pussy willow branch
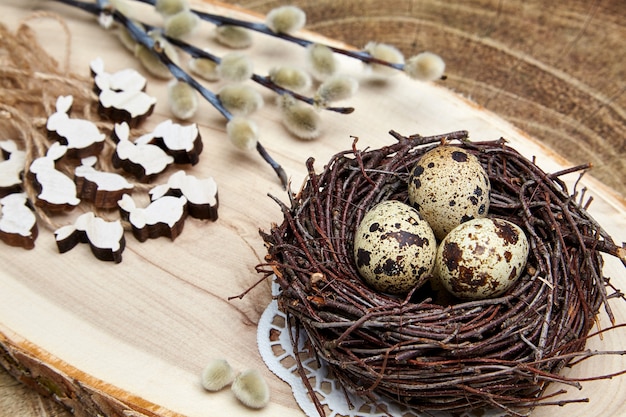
x=219, y=20
x=140, y=36
x=196, y=52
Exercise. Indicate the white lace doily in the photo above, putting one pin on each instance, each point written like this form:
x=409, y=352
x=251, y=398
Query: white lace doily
x=276, y=348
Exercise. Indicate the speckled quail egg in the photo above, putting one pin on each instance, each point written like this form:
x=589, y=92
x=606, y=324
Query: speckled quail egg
x=394, y=248
x=481, y=258
x=448, y=186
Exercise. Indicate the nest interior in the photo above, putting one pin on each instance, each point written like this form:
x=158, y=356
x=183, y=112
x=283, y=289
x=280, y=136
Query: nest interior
x=428, y=354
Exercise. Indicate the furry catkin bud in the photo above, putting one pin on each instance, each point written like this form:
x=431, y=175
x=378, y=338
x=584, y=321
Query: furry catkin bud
x=242, y=132
x=240, y=100
x=126, y=39
x=216, y=375
x=235, y=67
x=204, y=68
x=337, y=87
x=425, y=66
x=285, y=19
x=170, y=7
x=233, y=36
x=384, y=52
x=122, y=6
x=183, y=99
x=299, y=119
x=322, y=61
x=291, y=78
x=151, y=61
x=181, y=24
x=251, y=389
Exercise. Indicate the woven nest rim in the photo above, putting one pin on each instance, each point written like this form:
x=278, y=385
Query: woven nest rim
x=499, y=353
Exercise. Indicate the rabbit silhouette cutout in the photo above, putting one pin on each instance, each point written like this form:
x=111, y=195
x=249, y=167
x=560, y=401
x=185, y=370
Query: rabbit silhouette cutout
x=82, y=137
x=101, y=188
x=11, y=167
x=142, y=160
x=183, y=143
x=162, y=217
x=18, y=224
x=106, y=239
x=120, y=95
x=201, y=194
x=123, y=80
x=57, y=191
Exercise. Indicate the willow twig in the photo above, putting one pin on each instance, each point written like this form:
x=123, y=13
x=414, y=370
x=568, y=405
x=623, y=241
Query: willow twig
x=142, y=37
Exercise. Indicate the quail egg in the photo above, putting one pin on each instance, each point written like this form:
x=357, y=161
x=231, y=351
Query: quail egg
x=394, y=248
x=481, y=258
x=448, y=186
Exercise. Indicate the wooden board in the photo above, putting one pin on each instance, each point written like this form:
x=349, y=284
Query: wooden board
x=134, y=336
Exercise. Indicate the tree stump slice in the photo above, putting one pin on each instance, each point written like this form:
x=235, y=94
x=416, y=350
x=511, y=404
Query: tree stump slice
x=87, y=338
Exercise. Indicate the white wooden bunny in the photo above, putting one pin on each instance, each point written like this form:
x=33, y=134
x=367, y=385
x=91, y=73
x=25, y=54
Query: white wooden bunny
x=82, y=137
x=163, y=217
x=106, y=239
x=57, y=190
x=18, y=224
x=102, y=188
x=201, y=194
x=11, y=168
x=121, y=96
x=183, y=143
x=144, y=161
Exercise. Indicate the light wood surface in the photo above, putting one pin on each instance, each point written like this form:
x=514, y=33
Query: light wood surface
x=135, y=336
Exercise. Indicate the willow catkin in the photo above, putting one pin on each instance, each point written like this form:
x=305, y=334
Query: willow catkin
x=181, y=24
x=235, y=67
x=425, y=66
x=285, y=19
x=233, y=36
x=217, y=374
x=240, y=99
x=384, y=52
x=182, y=99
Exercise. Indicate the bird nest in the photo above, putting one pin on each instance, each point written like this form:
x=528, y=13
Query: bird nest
x=423, y=351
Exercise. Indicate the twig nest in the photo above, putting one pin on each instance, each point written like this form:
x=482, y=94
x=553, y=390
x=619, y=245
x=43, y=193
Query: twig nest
x=441, y=353
x=481, y=258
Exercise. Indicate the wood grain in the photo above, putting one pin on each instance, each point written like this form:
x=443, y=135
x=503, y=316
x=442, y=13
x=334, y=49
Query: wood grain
x=554, y=70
